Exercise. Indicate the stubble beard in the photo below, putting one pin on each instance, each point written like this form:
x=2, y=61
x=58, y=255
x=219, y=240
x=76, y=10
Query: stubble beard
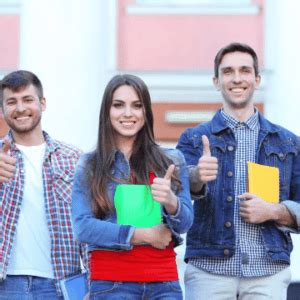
x=24, y=130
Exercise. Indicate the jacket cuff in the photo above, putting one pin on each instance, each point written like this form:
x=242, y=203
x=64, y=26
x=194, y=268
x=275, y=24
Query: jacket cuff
x=294, y=209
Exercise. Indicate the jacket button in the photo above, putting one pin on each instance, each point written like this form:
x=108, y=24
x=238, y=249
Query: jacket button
x=230, y=148
x=226, y=252
x=228, y=224
x=229, y=174
x=229, y=198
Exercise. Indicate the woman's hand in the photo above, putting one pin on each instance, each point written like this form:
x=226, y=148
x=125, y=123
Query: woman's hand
x=158, y=236
x=162, y=192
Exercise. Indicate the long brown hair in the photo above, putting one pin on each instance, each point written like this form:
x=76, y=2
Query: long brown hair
x=100, y=164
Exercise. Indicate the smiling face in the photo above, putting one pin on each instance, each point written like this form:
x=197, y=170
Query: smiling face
x=237, y=80
x=126, y=114
x=22, y=109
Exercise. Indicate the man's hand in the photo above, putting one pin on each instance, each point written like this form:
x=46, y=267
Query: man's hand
x=158, y=236
x=207, y=167
x=7, y=163
x=162, y=192
x=255, y=210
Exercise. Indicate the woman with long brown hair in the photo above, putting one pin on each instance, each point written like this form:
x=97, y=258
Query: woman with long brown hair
x=131, y=200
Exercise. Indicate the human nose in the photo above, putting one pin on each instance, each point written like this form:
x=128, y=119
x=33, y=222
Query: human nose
x=237, y=77
x=20, y=107
x=128, y=111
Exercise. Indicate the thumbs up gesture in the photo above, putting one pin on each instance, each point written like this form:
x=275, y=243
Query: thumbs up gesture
x=7, y=163
x=162, y=192
x=207, y=164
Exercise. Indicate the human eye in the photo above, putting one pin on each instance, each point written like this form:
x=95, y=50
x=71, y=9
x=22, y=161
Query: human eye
x=227, y=71
x=138, y=105
x=117, y=104
x=246, y=70
x=10, y=102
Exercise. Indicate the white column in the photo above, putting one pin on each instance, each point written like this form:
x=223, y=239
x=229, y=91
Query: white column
x=66, y=43
x=282, y=56
x=283, y=60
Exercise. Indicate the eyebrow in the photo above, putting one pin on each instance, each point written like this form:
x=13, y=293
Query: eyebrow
x=241, y=67
x=119, y=100
x=24, y=97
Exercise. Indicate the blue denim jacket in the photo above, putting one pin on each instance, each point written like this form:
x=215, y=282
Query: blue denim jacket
x=106, y=234
x=276, y=147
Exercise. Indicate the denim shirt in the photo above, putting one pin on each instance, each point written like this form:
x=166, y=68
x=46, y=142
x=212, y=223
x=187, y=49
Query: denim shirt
x=277, y=147
x=106, y=233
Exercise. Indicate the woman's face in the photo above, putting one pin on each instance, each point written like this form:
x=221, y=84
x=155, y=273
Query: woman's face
x=126, y=114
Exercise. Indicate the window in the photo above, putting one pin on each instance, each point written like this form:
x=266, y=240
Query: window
x=200, y=2
x=191, y=7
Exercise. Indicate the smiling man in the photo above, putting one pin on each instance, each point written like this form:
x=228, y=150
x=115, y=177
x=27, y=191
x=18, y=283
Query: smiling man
x=239, y=245
x=37, y=248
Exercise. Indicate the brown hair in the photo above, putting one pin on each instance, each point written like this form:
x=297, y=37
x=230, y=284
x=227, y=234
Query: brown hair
x=145, y=150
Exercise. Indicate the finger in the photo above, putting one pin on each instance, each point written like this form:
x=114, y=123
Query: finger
x=206, y=149
x=247, y=196
x=5, y=146
x=159, y=188
x=208, y=178
x=6, y=160
x=7, y=167
x=208, y=172
x=170, y=172
x=208, y=160
x=160, y=182
x=7, y=174
x=158, y=194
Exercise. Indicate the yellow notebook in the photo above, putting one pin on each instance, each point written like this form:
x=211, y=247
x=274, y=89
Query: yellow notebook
x=263, y=181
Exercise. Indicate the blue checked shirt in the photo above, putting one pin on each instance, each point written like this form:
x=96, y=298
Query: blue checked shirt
x=58, y=172
x=250, y=258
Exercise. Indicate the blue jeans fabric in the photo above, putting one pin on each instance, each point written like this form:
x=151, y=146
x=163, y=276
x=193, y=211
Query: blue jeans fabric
x=111, y=290
x=276, y=147
x=19, y=287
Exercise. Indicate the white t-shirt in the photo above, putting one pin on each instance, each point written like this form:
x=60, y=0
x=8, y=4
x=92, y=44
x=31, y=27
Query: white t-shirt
x=31, y=251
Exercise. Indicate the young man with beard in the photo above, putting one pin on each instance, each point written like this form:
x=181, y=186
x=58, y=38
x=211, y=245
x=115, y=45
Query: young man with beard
x=37, y=247
x=239, y=245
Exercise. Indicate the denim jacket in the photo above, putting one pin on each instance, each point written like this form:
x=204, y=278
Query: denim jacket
x=277, y=147
x=106, y=233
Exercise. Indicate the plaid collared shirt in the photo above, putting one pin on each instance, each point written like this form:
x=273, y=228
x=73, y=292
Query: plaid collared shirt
x=250, y=258
x=58, y=172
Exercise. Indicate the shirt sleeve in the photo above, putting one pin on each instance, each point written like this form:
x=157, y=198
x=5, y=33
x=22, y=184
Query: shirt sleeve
x=89, y=229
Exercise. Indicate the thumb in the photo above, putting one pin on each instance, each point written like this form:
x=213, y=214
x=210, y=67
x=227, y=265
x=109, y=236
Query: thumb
x=5, y=146
x=206, y=149
x=170, y=172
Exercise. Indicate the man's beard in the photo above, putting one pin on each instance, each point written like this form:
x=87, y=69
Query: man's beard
x=21, y=129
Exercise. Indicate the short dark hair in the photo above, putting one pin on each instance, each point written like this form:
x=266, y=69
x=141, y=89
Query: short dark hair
x=235, y=47
x=18, y=80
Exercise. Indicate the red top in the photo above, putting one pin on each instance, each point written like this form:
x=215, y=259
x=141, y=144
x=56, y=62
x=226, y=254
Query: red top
x=141, y=264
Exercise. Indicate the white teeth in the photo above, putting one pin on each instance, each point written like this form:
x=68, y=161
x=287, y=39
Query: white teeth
x=237, y=89
x=22, y=118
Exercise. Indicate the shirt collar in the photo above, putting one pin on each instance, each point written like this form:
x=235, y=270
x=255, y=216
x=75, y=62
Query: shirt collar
x=252, y=123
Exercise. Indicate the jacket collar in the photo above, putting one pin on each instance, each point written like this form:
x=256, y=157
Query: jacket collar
x=219, y=124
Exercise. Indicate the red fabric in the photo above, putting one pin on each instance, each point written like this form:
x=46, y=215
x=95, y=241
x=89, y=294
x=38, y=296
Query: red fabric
x=141, y=264
x=151, y=177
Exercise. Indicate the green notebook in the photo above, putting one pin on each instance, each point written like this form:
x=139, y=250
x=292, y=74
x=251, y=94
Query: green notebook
x=135, y=206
